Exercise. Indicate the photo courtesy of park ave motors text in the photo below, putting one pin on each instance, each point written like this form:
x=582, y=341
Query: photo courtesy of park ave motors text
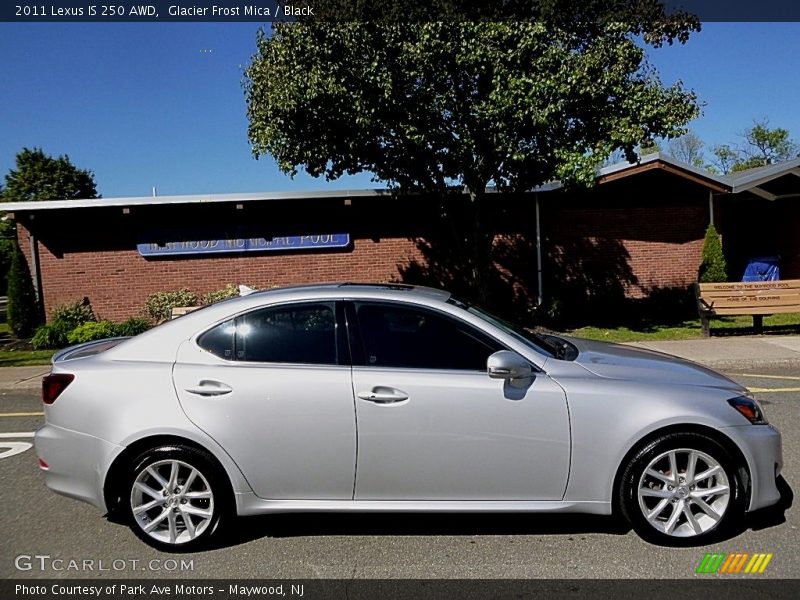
x=378, y=292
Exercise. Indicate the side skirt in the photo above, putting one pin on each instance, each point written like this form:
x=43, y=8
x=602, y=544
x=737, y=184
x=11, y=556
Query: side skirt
x=249, y=504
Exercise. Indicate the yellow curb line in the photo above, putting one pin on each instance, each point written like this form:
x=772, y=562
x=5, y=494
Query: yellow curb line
x=789, y=377
x=770, y=390
x=22, y=414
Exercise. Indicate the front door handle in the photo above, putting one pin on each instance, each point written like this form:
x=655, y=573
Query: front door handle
x=383, y=395
x=210, y=387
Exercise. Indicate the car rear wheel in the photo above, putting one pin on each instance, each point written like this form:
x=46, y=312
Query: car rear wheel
x=682, y=489
x=176, y=497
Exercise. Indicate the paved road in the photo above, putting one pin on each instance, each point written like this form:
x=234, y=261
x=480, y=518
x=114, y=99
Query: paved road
x=35, y=521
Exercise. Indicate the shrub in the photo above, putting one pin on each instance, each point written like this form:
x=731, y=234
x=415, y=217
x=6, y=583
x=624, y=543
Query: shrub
x=50, y=337
x=713, y=268
x=92, y=330
x=131, y=327
x=229, y=291
x=74, y=314
x=158, y=306
x=22, y=310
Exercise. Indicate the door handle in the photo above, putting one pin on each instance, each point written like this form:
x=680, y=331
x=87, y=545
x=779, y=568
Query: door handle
x=209, y=387
x=383, y=395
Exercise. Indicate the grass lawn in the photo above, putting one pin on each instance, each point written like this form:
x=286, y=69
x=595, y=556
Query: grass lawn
x=25, y=358
x=21, y=358
x=687, y=330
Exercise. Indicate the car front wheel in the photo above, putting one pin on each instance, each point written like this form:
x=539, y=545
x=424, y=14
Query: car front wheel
x=176, y=497
x=682, y=489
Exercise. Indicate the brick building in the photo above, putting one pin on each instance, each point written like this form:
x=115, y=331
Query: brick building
x=637, y=233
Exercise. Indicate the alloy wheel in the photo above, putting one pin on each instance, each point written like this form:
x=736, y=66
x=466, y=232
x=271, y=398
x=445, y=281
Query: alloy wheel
x=172, y=501
x=684, y=492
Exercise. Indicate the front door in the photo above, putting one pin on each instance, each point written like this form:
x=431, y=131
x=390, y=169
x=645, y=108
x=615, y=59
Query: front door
x=432, y=425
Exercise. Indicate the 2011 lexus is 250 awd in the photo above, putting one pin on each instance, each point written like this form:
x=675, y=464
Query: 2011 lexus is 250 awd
x=352, y=397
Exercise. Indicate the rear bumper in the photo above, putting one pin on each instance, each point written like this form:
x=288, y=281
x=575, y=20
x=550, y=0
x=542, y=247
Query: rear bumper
x=762, y=448
x=76, y=463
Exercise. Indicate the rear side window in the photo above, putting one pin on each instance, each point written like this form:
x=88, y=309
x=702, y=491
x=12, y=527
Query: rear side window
x=294, y=333
x=219, y=340
x=415, y=338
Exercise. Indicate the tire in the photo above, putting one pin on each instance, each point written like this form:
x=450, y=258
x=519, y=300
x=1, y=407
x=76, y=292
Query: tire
x=671, y=509
x=176, y=517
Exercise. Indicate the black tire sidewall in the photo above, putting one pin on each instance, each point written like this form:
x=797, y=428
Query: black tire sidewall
x=628, y=490
x=198, y=459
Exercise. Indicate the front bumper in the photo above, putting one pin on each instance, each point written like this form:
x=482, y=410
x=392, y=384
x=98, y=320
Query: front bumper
x=77, y=463
x=762, y=448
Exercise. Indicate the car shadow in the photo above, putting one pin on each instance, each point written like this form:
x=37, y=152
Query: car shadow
x=242, y=530
x=772, y=516
x=247, y=529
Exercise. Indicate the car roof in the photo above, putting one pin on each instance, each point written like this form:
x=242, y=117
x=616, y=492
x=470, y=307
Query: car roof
x=358, y=289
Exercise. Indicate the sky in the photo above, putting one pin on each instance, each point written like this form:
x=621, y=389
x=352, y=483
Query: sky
x=146, y=105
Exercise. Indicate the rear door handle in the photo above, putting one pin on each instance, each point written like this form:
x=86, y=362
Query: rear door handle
x=210, y=387
x=383, y=395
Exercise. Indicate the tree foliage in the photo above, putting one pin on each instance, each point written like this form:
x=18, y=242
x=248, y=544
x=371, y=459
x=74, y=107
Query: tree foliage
x=38, y=176
x=767, y=146
x=713, y=268
x=762, y=146
x=426, y=105
x=725, y=158
x=454, y=106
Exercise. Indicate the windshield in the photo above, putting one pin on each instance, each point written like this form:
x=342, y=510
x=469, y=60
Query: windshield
x=529, y=338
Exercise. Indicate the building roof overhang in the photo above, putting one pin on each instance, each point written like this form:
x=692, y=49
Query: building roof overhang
x=753, y=181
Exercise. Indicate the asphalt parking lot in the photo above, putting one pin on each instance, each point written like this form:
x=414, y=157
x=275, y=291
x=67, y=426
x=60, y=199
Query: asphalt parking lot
x=35, y=522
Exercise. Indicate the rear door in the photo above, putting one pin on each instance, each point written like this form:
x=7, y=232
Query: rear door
x=273, y=388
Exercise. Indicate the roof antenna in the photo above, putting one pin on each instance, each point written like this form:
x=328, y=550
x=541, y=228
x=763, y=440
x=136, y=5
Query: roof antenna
x=245, y=290
x=155, y=192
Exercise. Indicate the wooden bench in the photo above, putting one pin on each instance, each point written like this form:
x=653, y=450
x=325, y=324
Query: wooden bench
x=747, y=298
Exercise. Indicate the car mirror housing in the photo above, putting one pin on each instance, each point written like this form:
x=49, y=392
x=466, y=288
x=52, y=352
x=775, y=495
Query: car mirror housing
x=508, y=365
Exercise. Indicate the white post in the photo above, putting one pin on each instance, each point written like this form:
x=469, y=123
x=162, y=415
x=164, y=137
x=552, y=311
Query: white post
x=711, y=207
x=540, y=295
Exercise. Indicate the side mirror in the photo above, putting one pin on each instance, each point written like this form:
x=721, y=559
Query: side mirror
x=508, y=365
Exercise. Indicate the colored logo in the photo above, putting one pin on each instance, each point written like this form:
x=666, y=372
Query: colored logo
x=738, y=562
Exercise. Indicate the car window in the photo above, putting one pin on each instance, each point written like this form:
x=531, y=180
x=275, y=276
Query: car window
x=295, y=333
x=410, y=337
x=219, y=340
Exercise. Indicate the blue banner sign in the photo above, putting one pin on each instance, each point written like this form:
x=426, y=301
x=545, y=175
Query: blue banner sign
x=250, y=244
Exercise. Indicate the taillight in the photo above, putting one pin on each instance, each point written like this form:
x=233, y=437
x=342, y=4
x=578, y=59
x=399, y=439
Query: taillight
x=54, y=384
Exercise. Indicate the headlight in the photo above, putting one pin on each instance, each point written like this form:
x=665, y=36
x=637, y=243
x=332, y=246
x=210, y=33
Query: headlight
x=749, y=409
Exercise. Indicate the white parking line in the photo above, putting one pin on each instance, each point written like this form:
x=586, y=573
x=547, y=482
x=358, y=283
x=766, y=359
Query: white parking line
x=17, y=434
x=14, y=448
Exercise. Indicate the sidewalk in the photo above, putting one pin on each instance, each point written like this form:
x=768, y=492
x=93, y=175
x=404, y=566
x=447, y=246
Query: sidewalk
x=747, y=352
x=751, y=352
x=22, y=378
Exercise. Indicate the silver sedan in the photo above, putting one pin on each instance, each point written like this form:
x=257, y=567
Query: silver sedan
x=395, y=398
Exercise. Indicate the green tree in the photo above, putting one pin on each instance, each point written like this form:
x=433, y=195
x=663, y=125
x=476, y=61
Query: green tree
x=767, y=146
x=452, y=106
x=713, y=268
x=22, y=310
x=762, y=146
x=725, y=158
x=38, y=176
